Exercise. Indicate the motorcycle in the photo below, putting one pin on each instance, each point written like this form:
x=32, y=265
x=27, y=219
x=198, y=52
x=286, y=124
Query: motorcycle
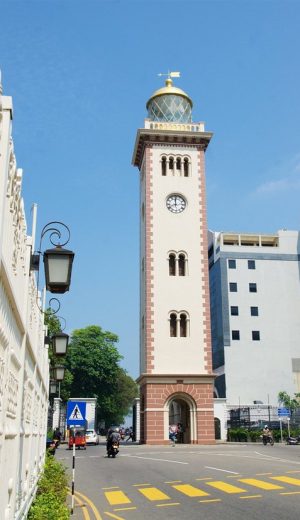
x=268, y=439
x=113, y=450
x=292, y=441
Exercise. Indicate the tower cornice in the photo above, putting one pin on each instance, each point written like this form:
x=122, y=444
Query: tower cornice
x=156, y=136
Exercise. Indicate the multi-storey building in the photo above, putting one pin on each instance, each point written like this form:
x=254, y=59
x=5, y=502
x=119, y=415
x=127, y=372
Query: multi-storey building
x=255, y=315
x=176, y=378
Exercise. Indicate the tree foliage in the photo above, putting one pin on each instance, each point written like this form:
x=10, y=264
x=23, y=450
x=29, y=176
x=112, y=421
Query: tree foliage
x=93, y=361
x=293, y=403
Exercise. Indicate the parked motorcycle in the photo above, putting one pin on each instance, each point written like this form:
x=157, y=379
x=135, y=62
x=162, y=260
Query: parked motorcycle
x=113, y=450
x=292, y=441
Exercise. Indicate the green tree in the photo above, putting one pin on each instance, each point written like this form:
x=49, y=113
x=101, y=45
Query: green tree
x=93, y=360
x=289, y=402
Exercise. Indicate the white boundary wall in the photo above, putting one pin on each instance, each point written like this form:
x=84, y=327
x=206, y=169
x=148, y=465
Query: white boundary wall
x=24, y=367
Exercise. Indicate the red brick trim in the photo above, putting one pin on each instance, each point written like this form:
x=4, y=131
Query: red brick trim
x=149, y=307
x=204, y=263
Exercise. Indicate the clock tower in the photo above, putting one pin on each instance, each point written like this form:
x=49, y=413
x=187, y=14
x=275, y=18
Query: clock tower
x=176, y=379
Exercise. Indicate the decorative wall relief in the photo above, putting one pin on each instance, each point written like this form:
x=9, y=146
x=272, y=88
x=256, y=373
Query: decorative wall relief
x=12, y=395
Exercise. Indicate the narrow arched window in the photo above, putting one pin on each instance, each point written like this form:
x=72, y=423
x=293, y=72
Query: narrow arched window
x=181, y=265
x=173, y=325
x=172, y=265
x=183, y=326
x=171, y=163
x=178, y=163
x=164, y=166
x=186, y=167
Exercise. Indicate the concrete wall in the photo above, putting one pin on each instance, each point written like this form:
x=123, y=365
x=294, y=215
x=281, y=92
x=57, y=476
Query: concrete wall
x=23, y=356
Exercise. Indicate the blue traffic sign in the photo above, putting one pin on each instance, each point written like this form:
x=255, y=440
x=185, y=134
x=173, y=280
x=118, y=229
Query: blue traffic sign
x=283, y=412
x=76, y=411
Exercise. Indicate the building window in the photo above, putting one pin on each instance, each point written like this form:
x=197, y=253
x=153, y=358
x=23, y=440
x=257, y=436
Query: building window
x=235, y=334
x=232, y=264
x=252, y=287
x=181, y=265
x=172, y=264
x=183, y=326
x=233, y=287
x=186, y=167
x=173, y=325
x=178, y=163
x=164, y=166
x=171, y=163
x=254, y=311
x=234, y=310
x=256, y=335
x=251, y=264
x=177, y=263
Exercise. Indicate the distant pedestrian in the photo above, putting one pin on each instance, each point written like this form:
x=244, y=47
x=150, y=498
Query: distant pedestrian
x=180, y=432
x=173, y=433
x=130, y=435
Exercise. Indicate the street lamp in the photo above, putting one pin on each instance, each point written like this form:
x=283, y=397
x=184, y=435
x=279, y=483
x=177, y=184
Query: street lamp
x=58, y=268
x=57, y=261
x=59, y=372
x=60, y=342
x=53, y=388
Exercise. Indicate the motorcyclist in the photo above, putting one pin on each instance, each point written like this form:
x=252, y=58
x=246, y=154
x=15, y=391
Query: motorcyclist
x=113, y=436
x=267, y=433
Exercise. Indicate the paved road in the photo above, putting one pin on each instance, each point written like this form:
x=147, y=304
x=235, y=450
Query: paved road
x=228, y=482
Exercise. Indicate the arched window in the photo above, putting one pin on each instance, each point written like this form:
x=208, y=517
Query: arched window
x=164, y=166
x=178, y=163
x=183, y=326
x=171, y=163
x=181, y=265
x=172, y=264
x=173, y=325
x=186, y=167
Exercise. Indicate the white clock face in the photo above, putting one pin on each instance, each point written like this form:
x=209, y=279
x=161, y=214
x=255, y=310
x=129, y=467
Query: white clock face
x=176, y=203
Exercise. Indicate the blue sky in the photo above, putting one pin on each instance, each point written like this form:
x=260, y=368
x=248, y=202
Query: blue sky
x=80, y=73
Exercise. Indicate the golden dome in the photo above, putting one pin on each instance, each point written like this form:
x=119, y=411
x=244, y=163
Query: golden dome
x=169, y=89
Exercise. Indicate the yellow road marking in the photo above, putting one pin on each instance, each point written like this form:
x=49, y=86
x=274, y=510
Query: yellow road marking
x=113, y=487
x=288, y=480
x=82, y=505
x=233, y=476
x=138, y=485
x=210, y=500
x=227, y=488
x=116, y=498
x=291, y=493
x=260, y=484
x=153, y=494
x=262, y=474
x=294, y=471
x=190, y=491
x=169, y=504
x=91, y=504
x=113, y=516
x=251, y=496
x=205, y=478
x=124, y=508
x=173, y=481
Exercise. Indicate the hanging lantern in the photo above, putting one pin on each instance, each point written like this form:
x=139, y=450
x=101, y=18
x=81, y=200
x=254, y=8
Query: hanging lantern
x=58, y=269
x=60, y=343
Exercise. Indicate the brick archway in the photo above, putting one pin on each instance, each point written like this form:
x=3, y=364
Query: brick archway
x=187, y=415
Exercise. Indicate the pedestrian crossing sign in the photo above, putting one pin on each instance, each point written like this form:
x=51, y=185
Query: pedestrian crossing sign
x=76, y=413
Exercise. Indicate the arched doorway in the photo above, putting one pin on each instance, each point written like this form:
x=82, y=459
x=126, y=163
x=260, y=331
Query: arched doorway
x=181, y=409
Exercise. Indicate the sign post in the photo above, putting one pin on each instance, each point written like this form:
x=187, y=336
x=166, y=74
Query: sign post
x=75, y=417
x=283, y=412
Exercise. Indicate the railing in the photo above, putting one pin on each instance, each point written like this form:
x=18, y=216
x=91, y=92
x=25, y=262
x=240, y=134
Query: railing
x=182, y=127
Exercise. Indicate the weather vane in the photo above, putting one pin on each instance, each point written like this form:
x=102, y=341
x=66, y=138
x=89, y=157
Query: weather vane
x=170, y=74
